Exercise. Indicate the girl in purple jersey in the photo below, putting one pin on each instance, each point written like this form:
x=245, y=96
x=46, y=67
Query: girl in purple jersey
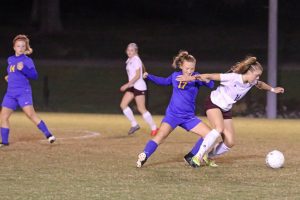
x=20, y=69
x=181, y=109
x=234, y=86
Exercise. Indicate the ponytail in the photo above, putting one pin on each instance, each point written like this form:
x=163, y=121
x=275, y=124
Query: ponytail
x=181, y=57
x=249, y=63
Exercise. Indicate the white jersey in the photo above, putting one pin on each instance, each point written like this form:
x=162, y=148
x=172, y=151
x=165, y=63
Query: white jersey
x=231, y=90
x=133, y=64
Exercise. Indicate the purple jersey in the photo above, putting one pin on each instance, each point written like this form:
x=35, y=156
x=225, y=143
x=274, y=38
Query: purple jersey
x=18, y=80
x=183, y=100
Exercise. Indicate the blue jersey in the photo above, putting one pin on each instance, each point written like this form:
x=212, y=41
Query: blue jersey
x=18, y=80
x=183, y=100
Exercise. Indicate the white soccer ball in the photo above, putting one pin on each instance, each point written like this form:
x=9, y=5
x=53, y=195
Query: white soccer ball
x=275, y=159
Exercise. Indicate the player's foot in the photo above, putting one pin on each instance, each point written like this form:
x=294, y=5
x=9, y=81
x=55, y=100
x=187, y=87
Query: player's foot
x=3, y=145
x=188, y=160
x=198, y=161
x=51, y=139
x=142, y=158
x=209, y=162
x=133, y=129
x=154, y=132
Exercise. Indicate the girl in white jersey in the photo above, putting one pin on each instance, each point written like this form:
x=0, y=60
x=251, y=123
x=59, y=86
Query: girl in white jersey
x=234, y=86
x=136, y=89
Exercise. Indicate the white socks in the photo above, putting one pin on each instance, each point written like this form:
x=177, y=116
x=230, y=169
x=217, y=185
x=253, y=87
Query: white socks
x=208, y=142
x=221, y=149
x=129, y=114
x=148, y=118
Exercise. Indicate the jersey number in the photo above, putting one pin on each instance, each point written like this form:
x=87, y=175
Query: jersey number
x=12, y=68
x=182, y=84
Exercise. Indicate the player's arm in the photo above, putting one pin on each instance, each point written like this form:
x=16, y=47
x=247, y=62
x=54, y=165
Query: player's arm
x=132, y=81
x=6, y=78
x=158, y=80
x=263, y=86
x=28, y=70
x=201, y=77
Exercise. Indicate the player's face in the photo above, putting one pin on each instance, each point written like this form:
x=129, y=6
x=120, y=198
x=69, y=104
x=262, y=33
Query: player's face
x=130, y=51
x=254, y=75
x=20, y=47
x=188, y=68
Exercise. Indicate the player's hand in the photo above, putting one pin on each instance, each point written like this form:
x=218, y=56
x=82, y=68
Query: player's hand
x=20, y=66
x=278, y=90
x=185, y=78
x=6, y=78
x=202, y=77
x=124, y=87
x=145, y=75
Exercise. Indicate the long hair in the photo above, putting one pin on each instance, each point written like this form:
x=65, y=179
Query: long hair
x=249, y=63
x=181, y=57
x=24, y=38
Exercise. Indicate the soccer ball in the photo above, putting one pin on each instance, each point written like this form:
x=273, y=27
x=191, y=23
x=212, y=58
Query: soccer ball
x=275, y=159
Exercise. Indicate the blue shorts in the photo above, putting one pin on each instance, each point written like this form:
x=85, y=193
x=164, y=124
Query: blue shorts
x=13, y=101
x=186, y=123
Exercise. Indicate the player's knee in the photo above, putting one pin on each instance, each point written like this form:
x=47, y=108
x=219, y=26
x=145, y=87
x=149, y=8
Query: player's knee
x=230, y=143
x=30, y=115
x=220, y=128
x=141, y=109
x=122, y=106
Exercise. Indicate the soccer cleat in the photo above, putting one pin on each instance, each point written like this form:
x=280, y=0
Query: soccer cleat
x=3, y=145
x=133, y=129
x=188, y=160
x=154, y=132
x=51, y=139
x=142, y=158
x=209, y=162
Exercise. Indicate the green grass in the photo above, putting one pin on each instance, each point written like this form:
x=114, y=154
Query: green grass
x=104, y=167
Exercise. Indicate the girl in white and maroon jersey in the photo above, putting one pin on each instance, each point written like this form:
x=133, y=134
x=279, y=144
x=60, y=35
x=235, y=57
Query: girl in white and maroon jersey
x=135, y=88
x=233, y=86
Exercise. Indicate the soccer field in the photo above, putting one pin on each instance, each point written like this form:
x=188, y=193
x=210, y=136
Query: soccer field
x=94, y=158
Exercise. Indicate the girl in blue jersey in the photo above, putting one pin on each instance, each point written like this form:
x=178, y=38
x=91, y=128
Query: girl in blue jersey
x=20, y=69
x=181, y=109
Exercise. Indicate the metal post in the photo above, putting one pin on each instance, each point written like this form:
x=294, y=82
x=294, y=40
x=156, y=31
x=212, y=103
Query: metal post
x=272, y=59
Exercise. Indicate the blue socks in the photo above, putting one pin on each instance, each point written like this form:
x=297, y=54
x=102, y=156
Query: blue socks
x=42, y=126
x=4, y=135
x=150, y=148
x=197, y=146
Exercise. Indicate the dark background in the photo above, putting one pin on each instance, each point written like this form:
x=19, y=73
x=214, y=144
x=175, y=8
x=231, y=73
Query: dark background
x=79, y=46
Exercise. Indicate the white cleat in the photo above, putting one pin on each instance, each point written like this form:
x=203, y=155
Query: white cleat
x=142, y=158
x=51, y=139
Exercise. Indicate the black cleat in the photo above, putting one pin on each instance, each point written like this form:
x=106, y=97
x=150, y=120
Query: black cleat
x=133, y=129
x=188, y=158
x=142, y=158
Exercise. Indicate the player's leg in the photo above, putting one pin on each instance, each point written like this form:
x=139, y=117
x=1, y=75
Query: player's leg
x=210, y=137
x=140, y=102
x=9, y=104
x=163, y=132
x=127, y=98
x=228, y=143
x=5, y=115
x=31, y=114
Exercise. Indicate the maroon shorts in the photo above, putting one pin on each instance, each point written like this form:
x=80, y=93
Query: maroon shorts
x=210, y=105
x=136, y=92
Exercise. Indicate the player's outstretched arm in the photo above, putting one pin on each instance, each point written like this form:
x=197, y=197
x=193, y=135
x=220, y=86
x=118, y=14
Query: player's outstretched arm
x=264, y=86
x=158, y=80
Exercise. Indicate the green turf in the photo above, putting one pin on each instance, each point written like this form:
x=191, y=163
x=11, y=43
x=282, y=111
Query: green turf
x=104, y=167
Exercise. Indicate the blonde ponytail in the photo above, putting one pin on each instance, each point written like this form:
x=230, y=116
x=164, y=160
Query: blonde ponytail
x=181, y=57
x=249, y=63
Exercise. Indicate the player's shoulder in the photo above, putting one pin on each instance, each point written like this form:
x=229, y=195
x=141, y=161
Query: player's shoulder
x=10, y=59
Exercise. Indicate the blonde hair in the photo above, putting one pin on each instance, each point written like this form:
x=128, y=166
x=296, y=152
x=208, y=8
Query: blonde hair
x=135, y=47
x=181, y=57
x=249, y=63
x=24, y=38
